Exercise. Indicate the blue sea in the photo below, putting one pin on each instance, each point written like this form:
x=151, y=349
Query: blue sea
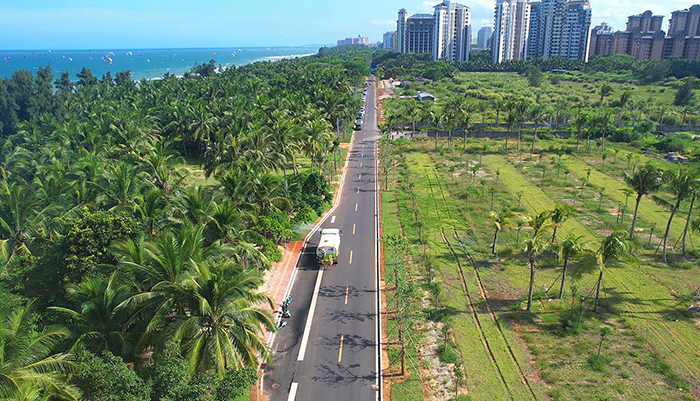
x=143, y=63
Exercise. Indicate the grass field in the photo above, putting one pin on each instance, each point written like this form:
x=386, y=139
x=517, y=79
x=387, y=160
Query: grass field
x=652, y=350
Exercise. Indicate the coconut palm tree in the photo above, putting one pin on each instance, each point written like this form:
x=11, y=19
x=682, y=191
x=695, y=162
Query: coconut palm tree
x=571, y=247
x=469, y=110
x=644, y=181
x=224, y=323
x=538, y=113
x=615, y=248
x=681, y=182
x=559, y=215
x=99, y=325
x=693, y=197
x=27, y=357
x=533, y=248
x=500, y=220
x=605, y=91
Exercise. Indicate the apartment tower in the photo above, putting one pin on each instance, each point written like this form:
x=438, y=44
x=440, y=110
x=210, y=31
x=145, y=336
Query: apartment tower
x=511, y=30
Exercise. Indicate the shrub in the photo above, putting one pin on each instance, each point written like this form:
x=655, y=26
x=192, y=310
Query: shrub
x=571, y=322
x=447, y=354
x=107, y=378
x=598, y=363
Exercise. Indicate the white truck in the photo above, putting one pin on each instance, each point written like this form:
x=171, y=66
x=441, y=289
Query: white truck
x=328, y=247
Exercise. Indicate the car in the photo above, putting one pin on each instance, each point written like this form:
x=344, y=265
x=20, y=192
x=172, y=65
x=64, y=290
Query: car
x=358, y=125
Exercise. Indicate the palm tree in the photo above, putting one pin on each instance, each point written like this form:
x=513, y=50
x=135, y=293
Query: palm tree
x=27, y=358
x=223, y=327
x=693, y=197
x=521, y=109
x=570, y=248
x=500, y=220
x=643, y=181
x=98, y=323
x=605, y=91
x=559, y=215
x=469, y=111
x=538, y=113
x=614, y=248
x=533, y=247
x=681, y=182
x=580, y=121
x=318, y=136
x=511, y=119
x=624, y=101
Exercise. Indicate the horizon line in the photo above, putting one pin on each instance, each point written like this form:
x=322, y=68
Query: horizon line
x=165, y=48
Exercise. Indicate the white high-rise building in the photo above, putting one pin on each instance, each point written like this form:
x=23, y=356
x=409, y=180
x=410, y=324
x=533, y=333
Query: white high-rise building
x=511, y=30
x=563, y=29
x=452, y=38
x=389, y=41
x=401, y=31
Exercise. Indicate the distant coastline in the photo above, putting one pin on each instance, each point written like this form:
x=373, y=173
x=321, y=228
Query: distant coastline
x=143, y=63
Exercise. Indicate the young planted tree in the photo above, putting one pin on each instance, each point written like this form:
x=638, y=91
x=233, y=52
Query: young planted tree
x=500, y=220
x=693, y=197
x=682, y=183
x=643, y=181
x=570, y=248
x=538, y=113
x=615, y=248
x=558, y=216
x=533, y=248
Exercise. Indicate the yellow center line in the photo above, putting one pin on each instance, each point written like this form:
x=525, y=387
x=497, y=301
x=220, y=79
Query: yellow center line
x=340, y=351
x=360, y=164
x=358, y=190
x=347, y=289
x=356, y=207
x=353, y=229
x=360, y=177
x=350, y=258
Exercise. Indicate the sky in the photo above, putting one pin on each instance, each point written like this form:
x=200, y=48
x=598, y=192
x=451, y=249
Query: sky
x=122, y=24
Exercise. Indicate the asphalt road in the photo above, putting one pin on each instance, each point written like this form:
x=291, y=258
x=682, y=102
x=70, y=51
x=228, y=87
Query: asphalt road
x=333, y=355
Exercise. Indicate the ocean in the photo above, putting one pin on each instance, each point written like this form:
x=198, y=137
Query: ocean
x=143, y=63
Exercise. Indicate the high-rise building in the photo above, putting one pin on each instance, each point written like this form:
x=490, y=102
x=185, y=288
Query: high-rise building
x=643, y=39
x=389, y=41
x=401, y=31
x=483, y=38
x=535, y=40
x=360, y=40
x=683, y=39
x=561, y=29
x=420, y=34
x=452, y=32
x=511, y=30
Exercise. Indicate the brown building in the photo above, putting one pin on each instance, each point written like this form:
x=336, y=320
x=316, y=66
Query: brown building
x=683, y=39
x=643, y=39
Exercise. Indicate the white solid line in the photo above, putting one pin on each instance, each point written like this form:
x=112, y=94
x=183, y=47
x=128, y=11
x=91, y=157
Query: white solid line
x=293, y=392
x=310, y=317
x=332, y=219
x=377, y=278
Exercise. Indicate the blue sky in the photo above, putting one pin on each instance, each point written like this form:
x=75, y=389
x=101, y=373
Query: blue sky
x=83, y=24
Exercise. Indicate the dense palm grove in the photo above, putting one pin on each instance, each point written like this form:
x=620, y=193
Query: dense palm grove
x=121, y=277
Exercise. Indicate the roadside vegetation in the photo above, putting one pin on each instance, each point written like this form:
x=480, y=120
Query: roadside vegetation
x=137, y=220
x=564, y=256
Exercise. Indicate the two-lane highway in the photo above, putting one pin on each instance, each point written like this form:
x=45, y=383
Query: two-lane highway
x=329, y=349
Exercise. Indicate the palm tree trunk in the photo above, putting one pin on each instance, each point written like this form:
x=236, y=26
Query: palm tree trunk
x=532, y=284
x=520, y=127
x=495, y=243
x=534, y=140
x=563, y=278
x=507, y=136
x=578, y=140
x=687, y=222
x=668, y=228
x=634, y=216
x=597, y=290
x=554, y=235
x=464, y=140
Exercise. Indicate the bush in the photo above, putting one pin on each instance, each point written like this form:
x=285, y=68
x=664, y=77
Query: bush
x=571, y=322
x=447, y=354
x=309, y=189
x=598, y=363
x=107, y=378
x=275, y=226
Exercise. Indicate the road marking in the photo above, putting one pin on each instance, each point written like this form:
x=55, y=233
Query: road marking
x=360, y=164
x=340, y=351
x=293, y=392
x=350, y=258
x=358, y=190
x=359, y=177
x=347, y=290
x=356, y=207
x=332, y=219
x=310, y=317
x=353, y=229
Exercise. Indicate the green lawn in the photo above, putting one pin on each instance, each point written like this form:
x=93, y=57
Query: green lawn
x=653, y=348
